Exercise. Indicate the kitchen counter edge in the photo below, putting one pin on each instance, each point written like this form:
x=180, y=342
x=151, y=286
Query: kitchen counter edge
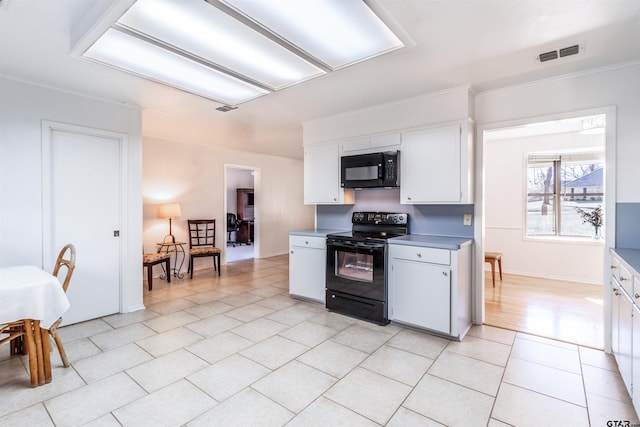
x=630, y=256
x=316, y=232
x=430, y=241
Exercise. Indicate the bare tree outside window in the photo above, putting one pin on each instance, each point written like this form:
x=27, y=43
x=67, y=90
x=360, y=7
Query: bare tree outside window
x=559, y=188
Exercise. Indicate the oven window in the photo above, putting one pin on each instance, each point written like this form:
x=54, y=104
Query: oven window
x=361, y=173
x=355, y=266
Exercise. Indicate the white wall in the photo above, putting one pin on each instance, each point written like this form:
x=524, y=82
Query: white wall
x=612, y=87
x=193, y=175
x=505, y=199
x=619, y=87
x=23, y=107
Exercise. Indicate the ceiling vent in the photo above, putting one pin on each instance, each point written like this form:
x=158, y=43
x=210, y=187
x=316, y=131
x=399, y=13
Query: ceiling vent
x=560, y=53
x=571, y=50
x=226, y=108
x=548, y=56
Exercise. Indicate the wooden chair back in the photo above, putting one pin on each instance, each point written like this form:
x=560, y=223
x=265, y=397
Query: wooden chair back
x=69, y=263
x=202, y=232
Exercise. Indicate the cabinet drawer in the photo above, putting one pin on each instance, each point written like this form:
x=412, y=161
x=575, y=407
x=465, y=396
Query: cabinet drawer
x=308, y=242
x=422, y=254
x=622, y=275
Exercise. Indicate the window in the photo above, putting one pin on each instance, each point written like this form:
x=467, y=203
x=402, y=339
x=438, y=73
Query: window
x=559, y=188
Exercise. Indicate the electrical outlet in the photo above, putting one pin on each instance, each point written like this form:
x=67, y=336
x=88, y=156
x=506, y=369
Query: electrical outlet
x=467, y=219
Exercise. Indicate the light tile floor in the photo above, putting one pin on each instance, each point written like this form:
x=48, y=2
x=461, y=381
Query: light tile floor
x=237, y=350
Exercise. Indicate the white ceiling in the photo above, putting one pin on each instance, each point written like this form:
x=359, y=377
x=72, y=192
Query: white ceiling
x=482, y=43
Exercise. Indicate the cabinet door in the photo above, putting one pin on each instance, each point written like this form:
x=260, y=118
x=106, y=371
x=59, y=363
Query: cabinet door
x=307, y=271
x=420, y=295
x=322, y=175
x=431, y=166
x=625, y=336
x=635, y=364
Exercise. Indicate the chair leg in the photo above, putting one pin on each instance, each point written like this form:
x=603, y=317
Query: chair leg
x=168, y=270
x=53, y=331
x=31, y=350
x=214, y=262
x=150, y=276
x=493, y=272
x=191, y=267
x=500, y=266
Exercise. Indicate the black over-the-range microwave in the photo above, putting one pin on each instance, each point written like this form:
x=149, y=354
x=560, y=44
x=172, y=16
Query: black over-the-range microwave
x=371, y=170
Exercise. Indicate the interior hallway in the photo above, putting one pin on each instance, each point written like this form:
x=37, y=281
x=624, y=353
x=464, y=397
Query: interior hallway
x=237, y=350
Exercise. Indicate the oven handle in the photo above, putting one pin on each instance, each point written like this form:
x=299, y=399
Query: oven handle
x=352, y=245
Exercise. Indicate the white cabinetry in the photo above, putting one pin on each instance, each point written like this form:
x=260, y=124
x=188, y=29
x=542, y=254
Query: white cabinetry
x=368, y=144
x=436, y=165
x=307, y=264
x=625, y=325
x=430, y=288
x=322, y=176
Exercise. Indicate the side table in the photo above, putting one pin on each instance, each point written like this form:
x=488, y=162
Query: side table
x=175, y=249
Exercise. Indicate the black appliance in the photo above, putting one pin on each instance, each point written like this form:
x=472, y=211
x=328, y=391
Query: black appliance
x=370, y=170
x=356, y=265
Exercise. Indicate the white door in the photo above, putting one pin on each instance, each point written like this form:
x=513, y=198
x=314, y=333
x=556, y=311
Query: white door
x=84, y=209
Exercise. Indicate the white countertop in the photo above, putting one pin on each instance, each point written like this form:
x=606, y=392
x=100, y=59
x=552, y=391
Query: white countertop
x=429, y=241
x=316, y=232
x=631, y=257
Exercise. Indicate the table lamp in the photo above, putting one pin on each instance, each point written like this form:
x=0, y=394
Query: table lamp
x=171, y=211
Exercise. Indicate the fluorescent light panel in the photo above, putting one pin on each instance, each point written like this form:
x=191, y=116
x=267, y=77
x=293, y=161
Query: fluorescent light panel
x=196, y=47
x=196, y=27
x=335, y=32
x=140, y=57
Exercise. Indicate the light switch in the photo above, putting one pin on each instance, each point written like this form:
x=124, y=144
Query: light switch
x=467, y=219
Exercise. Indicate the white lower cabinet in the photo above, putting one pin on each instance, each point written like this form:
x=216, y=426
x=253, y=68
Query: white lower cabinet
x=625, y=324
x=625, y=338
x=635, y=358
x=430, y=288
x=307, y=264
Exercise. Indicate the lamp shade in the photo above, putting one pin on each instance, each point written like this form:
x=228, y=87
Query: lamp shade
x=169, y=210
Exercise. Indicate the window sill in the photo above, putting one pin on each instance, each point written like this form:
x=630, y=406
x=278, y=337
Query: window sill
x=566, y=240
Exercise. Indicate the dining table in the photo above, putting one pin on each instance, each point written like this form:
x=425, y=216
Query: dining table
x=34, y=297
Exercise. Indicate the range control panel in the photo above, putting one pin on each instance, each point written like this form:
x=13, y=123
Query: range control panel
x=379, y=218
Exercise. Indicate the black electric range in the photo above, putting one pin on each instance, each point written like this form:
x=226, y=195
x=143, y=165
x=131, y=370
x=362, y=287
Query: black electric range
x=356, y=274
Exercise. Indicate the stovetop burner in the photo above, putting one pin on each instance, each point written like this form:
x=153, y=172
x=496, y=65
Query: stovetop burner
x=375, y=226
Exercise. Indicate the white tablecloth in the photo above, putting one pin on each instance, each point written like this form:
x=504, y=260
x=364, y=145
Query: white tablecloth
x=28, y=292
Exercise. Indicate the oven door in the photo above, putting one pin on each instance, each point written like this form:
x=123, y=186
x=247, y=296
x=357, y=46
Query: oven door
x=356, y=269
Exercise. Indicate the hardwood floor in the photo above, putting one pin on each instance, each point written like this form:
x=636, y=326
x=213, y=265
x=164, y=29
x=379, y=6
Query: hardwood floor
x=566, y=311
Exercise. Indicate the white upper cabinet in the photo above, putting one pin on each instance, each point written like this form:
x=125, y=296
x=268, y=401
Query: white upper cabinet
x=322, y=176
x=370, y=144
x=436, y=165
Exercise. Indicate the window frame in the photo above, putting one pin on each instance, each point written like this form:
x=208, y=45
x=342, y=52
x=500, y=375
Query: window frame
x=558, y=195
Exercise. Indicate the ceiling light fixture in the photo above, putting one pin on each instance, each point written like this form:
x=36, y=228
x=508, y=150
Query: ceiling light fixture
x=336, y=33
x=232, y=51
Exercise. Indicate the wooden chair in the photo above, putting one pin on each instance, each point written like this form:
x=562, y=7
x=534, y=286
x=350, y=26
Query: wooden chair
x=70, y=265
x=21, y=329
x=492, y=258
x=20, y=336
x=149, y=260
x=202, y=242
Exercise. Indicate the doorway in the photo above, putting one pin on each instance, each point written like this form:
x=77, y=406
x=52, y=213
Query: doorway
x=542, y=179
x=241, y=209
x=82, y=206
